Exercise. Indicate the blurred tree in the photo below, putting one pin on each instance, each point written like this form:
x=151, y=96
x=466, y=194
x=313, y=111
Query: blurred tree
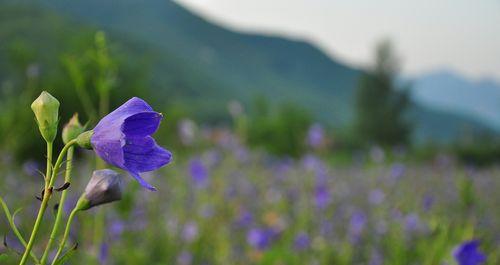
x=280, y=131
x=381, y=104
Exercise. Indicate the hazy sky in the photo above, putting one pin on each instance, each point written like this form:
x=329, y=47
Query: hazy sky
x=463, y=35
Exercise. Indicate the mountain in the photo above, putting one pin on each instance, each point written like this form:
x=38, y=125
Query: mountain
x=204, y=65
x=448, y=91
x=248, y=64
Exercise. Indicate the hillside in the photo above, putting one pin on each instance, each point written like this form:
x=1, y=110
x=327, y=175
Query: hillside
x=449, y=91
x=186, y=59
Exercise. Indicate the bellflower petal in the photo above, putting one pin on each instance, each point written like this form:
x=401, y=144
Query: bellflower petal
x=468, y=253
x=143, y=154
x=141, y=124
x=123, y=139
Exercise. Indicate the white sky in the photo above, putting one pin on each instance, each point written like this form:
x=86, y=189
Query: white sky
x=462, y=35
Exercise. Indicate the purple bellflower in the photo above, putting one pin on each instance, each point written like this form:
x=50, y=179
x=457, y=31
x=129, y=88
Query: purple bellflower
x=301, y=241
x=322, y=196
x=259, y=238
x=468, y=253
x=198, y=172
x=315, y=136
x=123, y=139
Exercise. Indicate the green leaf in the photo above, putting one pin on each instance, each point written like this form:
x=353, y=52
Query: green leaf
x=67, y=255
x=10, y=219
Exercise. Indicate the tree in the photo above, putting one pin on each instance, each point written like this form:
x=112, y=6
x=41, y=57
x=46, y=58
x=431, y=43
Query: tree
x=381, y=104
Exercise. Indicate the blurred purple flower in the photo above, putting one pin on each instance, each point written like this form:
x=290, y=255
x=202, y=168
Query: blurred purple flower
x=428, y=202
x=116, y=229
x=397, y=171
x=123, y=139
x=259, y=238
x=185, y=258
x=315, y=136
x=376, y=258
x=376, y=197
x=412, y=222
x=31, y=168
x=103, y=253
x=468, y=253
x=357, y=224
x=301, y=241
x=244, y=219
x=322, y=196
x=190, y=231
x=326, y=228
x=187, y=131
x=198, y=172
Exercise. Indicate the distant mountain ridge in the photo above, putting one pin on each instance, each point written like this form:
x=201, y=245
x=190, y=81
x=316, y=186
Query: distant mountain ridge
x=449, y=91
x=206, y=65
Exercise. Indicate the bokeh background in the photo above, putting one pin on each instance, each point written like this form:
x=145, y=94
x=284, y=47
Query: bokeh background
x=303, y=132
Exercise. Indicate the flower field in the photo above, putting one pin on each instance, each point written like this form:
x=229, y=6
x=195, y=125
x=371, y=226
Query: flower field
x=225, y=204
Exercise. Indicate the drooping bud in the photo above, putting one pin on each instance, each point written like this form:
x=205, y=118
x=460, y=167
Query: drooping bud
x=72, y=129
x=46, y=109
x=83, y=140
x=103, y=187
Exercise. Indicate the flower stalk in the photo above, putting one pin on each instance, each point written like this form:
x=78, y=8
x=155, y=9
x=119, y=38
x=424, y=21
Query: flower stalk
x=45, y=200
x=65, y=235
x=60, y=210
x=47, y=193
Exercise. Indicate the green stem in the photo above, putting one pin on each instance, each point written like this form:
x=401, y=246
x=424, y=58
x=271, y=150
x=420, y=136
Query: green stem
x=36, y=226
x=43, y=206
x=49, y=182
x=57, y=222
x=13, y=226
x=65, y=236
x=59, y=161
x=48, y=172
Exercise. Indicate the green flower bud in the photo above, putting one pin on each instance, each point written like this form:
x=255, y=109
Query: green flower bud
x=46, y=109
x=72, y=129
x=83, y=140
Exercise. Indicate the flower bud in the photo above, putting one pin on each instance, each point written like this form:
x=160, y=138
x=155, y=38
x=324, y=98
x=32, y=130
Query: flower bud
x=46, y=109
x=72, y=129
x=103, y=187
x=83, y=140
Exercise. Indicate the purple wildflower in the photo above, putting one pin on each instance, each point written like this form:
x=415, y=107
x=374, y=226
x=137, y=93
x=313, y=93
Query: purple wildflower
x=322, y=196
x=198, y=172
x=376, y=197
x=190, y=232
x=259, y=238
x=31, y=167
x=187, y=131
x=357, y=224
x=376, y=258
x=116, y=229
x=244, y=219
x=315, y=136
x=185, y=258
x=103, y=253
x=412, y=222
x=468, y=253
x=397, y=171
x=427, y=202
x=123, y=139
x=302, y=241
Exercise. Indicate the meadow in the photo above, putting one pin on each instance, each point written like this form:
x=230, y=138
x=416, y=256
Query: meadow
x=222, y=203
x=270, y=152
